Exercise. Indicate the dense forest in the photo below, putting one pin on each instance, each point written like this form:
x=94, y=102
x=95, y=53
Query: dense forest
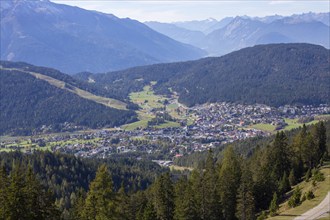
x=28, y=104
x=245, y=148
x=233, y=187
x=275, y=75
x=90, y=87
x=64, y=176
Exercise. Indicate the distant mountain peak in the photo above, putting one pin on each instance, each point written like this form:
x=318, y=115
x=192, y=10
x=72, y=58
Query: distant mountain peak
x=73, y=39
x=211, y=19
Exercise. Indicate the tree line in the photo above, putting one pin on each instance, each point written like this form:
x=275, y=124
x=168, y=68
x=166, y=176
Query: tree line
x=231, y=188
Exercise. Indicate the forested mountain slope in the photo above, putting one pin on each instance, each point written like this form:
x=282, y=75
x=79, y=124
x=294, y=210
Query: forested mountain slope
x=31, y=104
x=275, y=74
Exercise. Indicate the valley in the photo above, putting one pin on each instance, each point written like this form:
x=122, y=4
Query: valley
x=146, y=115
x=166, y=129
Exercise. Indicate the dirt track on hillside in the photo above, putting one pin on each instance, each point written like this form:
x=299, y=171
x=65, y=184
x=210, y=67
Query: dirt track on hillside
x=318, y=211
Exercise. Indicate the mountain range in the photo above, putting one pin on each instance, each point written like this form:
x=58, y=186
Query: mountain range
x=230, y=34
x=72, y=39
x=274, y=74
x=39, y=99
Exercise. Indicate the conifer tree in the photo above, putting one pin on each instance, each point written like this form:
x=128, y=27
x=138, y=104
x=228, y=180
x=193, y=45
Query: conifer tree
x=39, y=201
x=292, y=178
x=25, y=198
x=122, y=203
x=185, y=204
x=100, y=197
x=309, y=151
x=163, y=197
x=137, y=204
x=229, y=181
x=280, y=155
x=4, y=182
x=284, y=184
x=320, y=139
x=212, y=207
x=297, y=146
x=17, y=199
x=190, y=209
x=273, y=208
x=264, y=182
x=77, y=210
x=245, y=199
x=179, y=201
x=195, y=181
x=149, y=212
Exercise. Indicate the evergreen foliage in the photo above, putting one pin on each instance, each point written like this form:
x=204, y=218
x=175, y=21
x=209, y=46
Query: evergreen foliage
x=231, y=188
x=69, y=177
x=273, y=74
x=295, y=199
x=29, y=104
x=163, y=197
x=23, y=197
x=284, y=184
x=274, y=205
x=99, y=203
x=245, y=199
x=292, y=178
x=229, y=181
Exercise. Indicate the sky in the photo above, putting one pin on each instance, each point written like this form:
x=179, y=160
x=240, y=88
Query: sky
x=185, y=10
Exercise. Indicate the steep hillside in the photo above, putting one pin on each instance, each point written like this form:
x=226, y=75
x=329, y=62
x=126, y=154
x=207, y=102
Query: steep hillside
x=72, y=39
x=243, y=32
x=231, y=34
x=204, y=26
x=34, y=102
x=178, y=33
x=275, y=74
x=56, y=75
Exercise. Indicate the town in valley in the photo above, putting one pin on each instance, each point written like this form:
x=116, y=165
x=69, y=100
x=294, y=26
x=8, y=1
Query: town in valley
x=208, y=126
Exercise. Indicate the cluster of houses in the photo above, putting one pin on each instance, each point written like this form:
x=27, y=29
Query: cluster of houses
x=215, y=124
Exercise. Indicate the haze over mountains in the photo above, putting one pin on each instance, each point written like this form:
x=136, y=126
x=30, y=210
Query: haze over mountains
x=274, y=74
x=278, y=74
x=72, y=39
x=230, y=34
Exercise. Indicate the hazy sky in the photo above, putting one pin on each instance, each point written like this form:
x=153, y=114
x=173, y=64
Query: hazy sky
x=182, y=10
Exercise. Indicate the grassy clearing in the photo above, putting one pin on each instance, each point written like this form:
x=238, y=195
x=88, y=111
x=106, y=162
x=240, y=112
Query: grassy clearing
x=293, y=123
x=135, y=125
x=82, y=93
x=320, y=191
x=112, y=103
x=264, y=127
x=175, y=167
x=147, y=98
x=27, y=145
